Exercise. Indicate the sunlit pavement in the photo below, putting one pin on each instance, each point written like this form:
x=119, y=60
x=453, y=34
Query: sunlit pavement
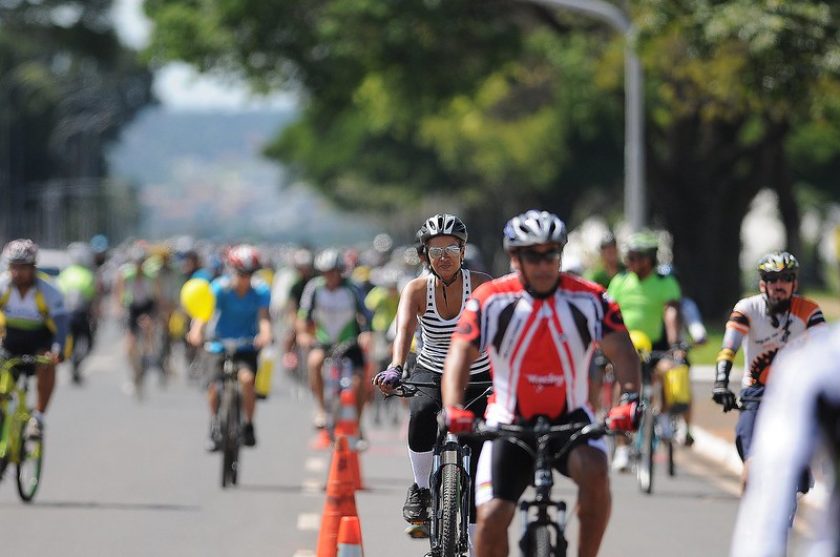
x=131, y=478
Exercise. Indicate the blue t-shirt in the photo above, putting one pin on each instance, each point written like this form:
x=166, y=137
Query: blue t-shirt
x=238, y=316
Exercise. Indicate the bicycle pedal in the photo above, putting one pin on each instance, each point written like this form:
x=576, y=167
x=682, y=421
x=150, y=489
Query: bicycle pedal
x=417, y=531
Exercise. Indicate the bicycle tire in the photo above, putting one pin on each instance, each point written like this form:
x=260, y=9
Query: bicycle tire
x=29, y=467
x=229, y=413
x=449, y=506
x=539, y=542
x=645, y=464
x=236, y=424
x=224, y=411
x=672, y=466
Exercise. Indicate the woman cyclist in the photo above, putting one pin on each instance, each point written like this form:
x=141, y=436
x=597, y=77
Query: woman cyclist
x=435, y=302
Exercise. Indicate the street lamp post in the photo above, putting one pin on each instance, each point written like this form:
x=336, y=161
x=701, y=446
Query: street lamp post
x=634, y=147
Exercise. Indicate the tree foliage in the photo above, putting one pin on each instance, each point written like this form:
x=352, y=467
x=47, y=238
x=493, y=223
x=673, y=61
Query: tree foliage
x=502, y=105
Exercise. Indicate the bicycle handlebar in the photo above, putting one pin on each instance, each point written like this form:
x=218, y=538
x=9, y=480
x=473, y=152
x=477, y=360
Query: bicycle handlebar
x=229, y=345
x=408, y=389
x=576, y=432
x=9, y=361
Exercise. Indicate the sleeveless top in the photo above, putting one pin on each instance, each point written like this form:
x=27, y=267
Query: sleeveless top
x=436, y=332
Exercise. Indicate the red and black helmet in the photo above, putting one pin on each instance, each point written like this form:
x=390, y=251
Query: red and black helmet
x=244, y=258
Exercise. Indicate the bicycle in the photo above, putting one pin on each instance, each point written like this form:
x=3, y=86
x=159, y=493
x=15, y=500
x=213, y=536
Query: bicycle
x=230, y=406
x=338, y=374
x=655, y=426
x=15, y=447
x=149, y=351
x=449, y=480
x=537, y=539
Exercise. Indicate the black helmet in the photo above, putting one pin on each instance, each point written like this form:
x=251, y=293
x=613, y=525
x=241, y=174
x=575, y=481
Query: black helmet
x=778, y=262
x=442, y=224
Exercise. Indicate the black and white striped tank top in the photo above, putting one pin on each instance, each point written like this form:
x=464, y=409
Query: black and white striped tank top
x=436, y=332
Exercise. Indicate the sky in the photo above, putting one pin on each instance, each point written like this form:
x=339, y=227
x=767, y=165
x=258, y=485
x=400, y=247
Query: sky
x=177, y=85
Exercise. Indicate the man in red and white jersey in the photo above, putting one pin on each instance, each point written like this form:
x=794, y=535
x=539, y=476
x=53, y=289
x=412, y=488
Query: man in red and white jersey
x=540, y=328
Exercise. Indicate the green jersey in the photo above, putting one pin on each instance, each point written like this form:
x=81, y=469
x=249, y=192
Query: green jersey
x=642, y=302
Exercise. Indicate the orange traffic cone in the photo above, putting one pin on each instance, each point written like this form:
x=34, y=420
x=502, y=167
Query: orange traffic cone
x=350, y=537
x=348, y=425
x=340, y=499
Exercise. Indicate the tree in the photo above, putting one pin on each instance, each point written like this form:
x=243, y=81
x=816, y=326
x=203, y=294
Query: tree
x=739, y=81
x=410, y=101
x=505, y=105
x=66, y=89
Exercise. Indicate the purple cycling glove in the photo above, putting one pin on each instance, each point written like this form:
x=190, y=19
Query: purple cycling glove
x=391, y=377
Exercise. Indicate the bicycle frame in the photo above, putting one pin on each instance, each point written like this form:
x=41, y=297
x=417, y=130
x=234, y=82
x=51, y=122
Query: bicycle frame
x=229, y=397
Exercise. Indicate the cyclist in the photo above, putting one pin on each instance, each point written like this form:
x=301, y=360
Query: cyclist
x=650, y=303
x=160, y=266
x=304, y=271
x=138, y=293
x=382, y=301
x=539, y=327
x=610, y=264
x=241, y=312
x=435, y=301
x=35, y=321
x=800, y=412
x=78, y=286
x=332, y=312
x=768, y=321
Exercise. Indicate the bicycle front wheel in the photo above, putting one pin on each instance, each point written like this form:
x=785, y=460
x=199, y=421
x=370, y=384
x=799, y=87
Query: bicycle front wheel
x=229, y=421
x=30, y=466
x=646, y=444
x=449, y=506
x=539, y=542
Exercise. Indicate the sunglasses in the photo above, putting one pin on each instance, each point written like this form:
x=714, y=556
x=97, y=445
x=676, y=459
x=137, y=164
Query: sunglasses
x=437, y=253
x=777, y=277
x=534, y=257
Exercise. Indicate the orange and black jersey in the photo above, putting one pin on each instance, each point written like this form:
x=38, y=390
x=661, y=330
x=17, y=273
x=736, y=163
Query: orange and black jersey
x=763, y=335
x=539, y=349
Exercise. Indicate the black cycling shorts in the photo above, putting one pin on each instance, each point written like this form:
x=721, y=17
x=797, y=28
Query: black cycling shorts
x=19, y=342
x=427, y=403
x=505, y=469
x=247, y=358
x=135, y=311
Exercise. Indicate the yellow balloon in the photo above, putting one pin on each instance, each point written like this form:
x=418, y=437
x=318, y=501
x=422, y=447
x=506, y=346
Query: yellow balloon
x=198, y=299
x=642, y=343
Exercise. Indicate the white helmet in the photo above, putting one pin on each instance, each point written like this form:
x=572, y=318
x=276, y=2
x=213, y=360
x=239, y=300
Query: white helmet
x=80, y=254
x=23, y=251
x=329, y=260
x=533, y=228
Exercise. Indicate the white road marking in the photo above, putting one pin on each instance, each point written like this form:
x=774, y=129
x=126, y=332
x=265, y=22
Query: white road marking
x=310, y=486
x=315, y=464
x=308, y=521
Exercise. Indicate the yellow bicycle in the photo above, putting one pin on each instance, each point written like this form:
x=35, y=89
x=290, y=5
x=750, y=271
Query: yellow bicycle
x=15, y=447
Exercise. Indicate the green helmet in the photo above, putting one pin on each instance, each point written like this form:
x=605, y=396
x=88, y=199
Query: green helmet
x=778, y=262
x=643, y=242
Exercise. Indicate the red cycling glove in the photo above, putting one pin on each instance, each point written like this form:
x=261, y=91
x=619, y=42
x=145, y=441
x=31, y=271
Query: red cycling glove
x=625, y=416
x=458, y=420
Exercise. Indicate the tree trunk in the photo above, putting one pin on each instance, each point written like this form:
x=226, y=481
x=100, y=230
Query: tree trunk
x=701, y=184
